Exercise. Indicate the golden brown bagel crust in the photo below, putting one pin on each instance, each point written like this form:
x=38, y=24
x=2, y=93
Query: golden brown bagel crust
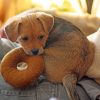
x=20, y=79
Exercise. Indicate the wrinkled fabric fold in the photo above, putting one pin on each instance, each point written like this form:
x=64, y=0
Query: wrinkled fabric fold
x=90, y=87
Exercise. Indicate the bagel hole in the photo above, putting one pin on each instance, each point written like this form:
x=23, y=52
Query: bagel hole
x=22, y=66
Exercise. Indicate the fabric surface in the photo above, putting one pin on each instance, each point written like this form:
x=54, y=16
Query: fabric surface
x=43, y=91
x=90, y=87
x=5, y=46
x=87, y=89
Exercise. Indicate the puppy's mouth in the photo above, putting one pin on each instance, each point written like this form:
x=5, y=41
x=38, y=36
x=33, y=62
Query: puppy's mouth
x=34, y=52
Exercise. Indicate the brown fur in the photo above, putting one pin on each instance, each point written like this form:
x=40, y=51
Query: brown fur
x=67, y=52
x=70, y=52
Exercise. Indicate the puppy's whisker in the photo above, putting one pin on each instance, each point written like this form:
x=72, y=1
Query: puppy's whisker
x=41, y=50
x=28, y=52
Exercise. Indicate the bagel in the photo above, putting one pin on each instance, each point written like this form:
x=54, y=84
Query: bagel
x=19, y=69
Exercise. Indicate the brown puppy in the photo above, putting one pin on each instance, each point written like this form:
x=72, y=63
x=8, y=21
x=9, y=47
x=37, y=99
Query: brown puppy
x=67, y=52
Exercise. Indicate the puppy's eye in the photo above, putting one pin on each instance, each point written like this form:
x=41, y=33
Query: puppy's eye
x=40, y=37
x=24, y=38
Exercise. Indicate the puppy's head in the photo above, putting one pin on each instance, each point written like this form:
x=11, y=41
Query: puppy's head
x=31, y=31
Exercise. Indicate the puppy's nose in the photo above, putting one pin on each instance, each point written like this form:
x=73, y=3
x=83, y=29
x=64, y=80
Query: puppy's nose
x=35, y=51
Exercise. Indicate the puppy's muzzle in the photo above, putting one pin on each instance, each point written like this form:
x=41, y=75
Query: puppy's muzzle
x=35, y=51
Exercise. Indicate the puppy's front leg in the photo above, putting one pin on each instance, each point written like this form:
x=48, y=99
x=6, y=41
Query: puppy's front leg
x=69, y=82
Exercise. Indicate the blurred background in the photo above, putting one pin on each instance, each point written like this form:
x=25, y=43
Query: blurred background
x=85, y=14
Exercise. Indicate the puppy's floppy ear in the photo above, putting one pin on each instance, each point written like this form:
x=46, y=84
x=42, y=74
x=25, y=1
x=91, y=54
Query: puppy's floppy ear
x=11, y=29
x=2, y=33
x=47, y=20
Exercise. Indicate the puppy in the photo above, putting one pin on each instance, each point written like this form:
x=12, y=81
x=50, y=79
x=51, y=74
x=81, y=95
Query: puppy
x=67, y=52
